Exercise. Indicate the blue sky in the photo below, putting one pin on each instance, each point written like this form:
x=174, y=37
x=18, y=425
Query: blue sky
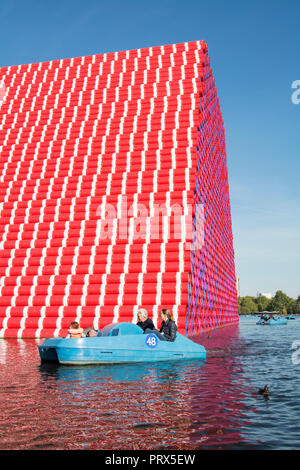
x=255, y=54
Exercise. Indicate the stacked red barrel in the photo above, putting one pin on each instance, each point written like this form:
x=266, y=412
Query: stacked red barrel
x=105, y=160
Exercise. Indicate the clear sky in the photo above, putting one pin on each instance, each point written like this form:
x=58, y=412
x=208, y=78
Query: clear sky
x=255, y=55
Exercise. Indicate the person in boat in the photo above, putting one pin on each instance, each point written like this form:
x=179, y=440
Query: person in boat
x=144, y=322
x=168, y=327
x=74, y=330
x=91, y=332
x=264, y=317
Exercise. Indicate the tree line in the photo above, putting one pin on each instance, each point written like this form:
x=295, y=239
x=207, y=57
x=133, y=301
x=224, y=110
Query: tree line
x=281, y=303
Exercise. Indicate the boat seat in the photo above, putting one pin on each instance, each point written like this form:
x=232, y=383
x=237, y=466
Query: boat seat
x=122, y=329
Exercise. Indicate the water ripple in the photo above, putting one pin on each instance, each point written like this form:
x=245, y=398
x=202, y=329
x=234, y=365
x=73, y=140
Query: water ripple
x=183, y=405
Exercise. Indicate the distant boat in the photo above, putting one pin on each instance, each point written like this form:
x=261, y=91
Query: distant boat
x=272, y=321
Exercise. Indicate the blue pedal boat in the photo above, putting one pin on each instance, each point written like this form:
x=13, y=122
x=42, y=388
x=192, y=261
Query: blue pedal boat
x=272, y=321
x=119, y=343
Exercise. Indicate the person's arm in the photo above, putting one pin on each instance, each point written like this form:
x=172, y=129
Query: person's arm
x=171, y=335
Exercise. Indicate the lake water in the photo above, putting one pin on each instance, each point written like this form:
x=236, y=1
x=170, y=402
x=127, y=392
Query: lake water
x=181, y=405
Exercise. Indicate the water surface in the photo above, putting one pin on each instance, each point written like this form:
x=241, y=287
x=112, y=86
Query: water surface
x=178, y=405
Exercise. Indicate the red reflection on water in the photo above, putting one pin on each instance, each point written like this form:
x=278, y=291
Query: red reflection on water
x=183, y=405
x=220, y=405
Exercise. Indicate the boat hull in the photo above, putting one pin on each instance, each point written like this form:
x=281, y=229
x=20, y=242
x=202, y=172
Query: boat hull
x=124, y=349
x=279, y=321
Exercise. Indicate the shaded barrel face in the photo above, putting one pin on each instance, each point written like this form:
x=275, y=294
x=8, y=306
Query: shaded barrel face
x=114, y=193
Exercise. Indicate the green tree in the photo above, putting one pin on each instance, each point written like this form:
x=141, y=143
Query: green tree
x=247, y=305
x=263, y=303
x=296, y=306
x=281, y=303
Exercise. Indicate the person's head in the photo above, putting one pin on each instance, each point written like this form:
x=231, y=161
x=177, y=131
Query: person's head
x=166, y=315
x=74, y=325
x=142, y=314
x=91, y=333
